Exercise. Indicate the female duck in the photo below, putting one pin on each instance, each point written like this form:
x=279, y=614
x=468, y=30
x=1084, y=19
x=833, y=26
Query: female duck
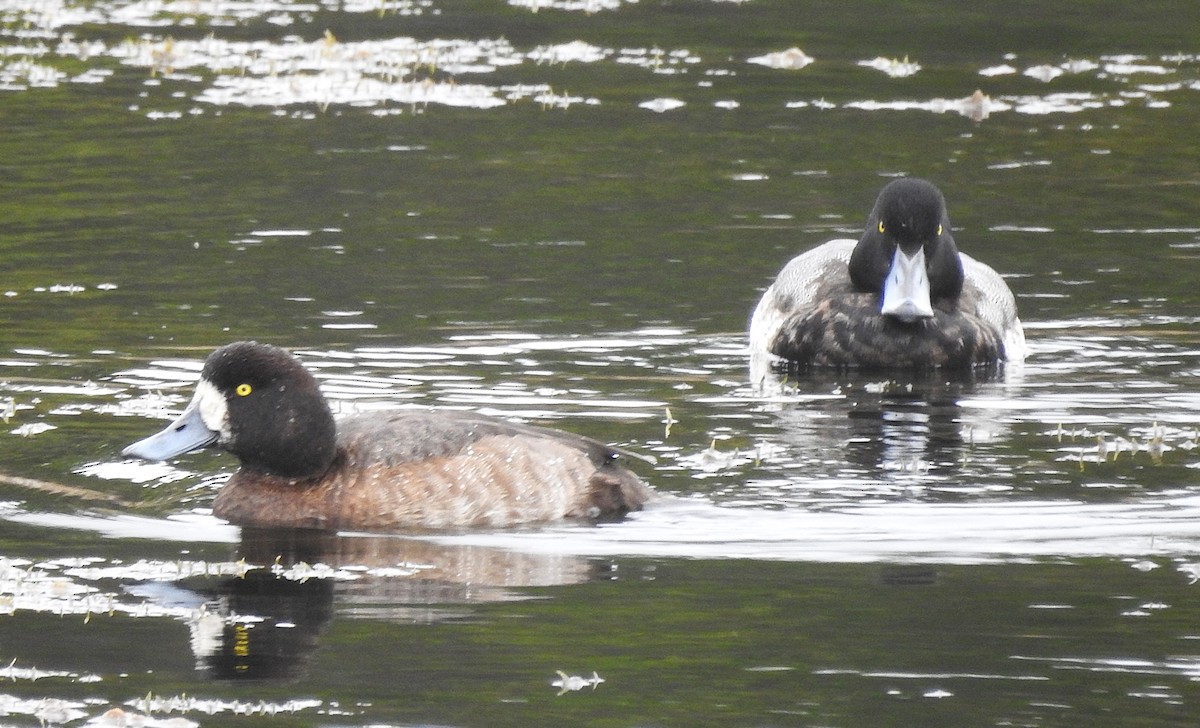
x=378, y=471
x=902, y=296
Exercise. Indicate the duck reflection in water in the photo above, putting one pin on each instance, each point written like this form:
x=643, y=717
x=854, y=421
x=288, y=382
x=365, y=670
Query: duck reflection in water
x=909, y=427
x=266, y=623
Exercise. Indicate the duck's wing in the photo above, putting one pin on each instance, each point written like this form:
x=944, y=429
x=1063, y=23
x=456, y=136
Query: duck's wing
x=796, y=289
x=989, y=298
x=413, y=435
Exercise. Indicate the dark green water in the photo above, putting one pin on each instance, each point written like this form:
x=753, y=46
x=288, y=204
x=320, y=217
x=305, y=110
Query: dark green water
x=456, y=204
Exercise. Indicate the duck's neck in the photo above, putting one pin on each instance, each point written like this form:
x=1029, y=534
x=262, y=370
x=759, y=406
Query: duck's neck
x=298, y=441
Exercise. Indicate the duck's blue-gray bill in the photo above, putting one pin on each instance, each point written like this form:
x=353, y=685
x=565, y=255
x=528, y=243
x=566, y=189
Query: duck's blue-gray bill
x=188, y=432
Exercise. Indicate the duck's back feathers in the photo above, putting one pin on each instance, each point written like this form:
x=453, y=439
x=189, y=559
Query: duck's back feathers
x=407, y=435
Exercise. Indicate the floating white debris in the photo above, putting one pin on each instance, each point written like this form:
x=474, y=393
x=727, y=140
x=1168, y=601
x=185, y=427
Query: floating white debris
x=977, y=106
x=569, y=683
x=576, y=51
x=1129, y=69
x=343, y=88
x=1080, y=66
x=1019, y=165
x=33, y=428
x=584, y=6
x=657, y=59
x=281, y=233
x=22, y=75
x=213, y=706
x=1159, y=88
x=711, y=460
x=93, y=76
x=36, y=352
x=730, y=104
x=661, y=105
x=792, y=58
x=563, y=101
x=893, y=67
x=1044, y=73
x=1064, y=103
x=1001, y=70
x=12, y=673
x=328, y=71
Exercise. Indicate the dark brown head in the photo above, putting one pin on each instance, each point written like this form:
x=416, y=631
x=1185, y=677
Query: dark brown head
x=258, y=402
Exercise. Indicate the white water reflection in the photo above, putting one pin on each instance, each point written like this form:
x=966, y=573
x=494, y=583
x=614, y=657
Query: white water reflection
x=581, y=6
x=975, y=533
x=39, y=41
x=1150, y=527
x=977, y=107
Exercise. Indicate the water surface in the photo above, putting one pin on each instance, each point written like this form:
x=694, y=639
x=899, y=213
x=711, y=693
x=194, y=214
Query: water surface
x=562, y=212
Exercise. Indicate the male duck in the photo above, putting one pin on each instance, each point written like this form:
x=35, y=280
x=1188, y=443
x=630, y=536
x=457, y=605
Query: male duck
x=381, y=471
x=902, y=296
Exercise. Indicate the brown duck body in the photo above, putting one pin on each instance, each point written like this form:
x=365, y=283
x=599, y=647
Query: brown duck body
x=435, y=470
x=381, y=471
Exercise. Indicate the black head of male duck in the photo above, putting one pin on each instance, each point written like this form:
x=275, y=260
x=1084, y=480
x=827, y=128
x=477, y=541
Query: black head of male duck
x=381, y=471
x=901, y=296
x=906, y=254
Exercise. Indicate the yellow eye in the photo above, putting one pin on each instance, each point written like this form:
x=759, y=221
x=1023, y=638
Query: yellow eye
x=881, y=226
x=243, y=390
x=939, y=229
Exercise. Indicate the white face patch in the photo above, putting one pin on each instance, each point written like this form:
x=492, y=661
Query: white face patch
x=214, y=411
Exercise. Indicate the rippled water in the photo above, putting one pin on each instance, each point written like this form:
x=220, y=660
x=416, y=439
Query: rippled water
x=563, y=212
